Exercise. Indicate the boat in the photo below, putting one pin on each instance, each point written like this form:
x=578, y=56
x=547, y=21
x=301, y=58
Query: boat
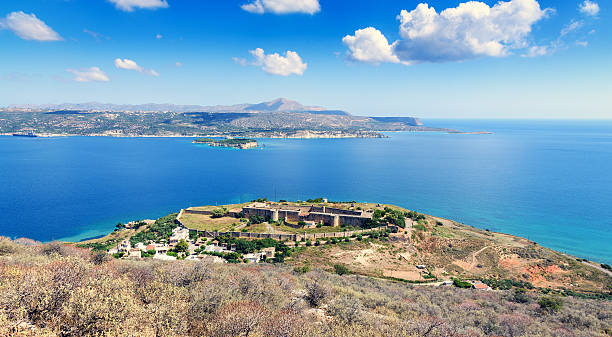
x=25, y=134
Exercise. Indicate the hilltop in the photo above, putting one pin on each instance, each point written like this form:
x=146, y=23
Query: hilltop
x=277, y=118
x=382, y=241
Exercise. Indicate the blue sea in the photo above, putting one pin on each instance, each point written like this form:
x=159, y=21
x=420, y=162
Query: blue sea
x=549, y=181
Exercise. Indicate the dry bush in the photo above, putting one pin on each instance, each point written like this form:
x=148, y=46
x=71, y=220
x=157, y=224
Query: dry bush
x=316, y=293
x=60, y=290
x=345, y=308
x=237, y=319
x=287, y=324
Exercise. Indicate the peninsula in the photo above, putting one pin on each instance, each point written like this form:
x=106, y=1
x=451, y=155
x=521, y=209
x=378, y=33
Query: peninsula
x=280, y=118
x=238, y=143
x=382, y=241
x=313, y=268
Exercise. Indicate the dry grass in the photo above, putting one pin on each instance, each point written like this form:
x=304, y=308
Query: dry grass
x=59, y=290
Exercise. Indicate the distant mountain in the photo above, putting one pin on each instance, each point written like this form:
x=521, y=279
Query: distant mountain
x=281, y=104
x=278, y=118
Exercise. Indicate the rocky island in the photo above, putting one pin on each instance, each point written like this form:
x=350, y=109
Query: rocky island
x=238, y=143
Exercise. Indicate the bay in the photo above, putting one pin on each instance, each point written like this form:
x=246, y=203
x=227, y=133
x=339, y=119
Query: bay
x=549, y=181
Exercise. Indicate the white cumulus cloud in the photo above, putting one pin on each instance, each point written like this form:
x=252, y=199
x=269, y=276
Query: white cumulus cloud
x=371, y=46
x=290, y=64
x=589, y=8
x=470, y=30
x=282, y=6
x=128, y=64
x=93, y=74
x=28, y=27
x=130, y=5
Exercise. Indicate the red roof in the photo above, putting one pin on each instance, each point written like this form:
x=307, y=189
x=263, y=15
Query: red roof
x=481, y=286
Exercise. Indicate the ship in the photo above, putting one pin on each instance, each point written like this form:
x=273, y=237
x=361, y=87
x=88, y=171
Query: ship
x=25, y=134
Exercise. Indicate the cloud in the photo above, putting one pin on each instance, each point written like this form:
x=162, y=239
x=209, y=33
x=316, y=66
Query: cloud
x=179, y=64
x=28, y=27
x=159, y=36
x=93, y=74
x=470, y=30
x=590, y=8
x=535, y=51
x=96, y=35
x=128, y=64
x=283, y=6
x=130, y=5
x=276, y=64
x=572, y=26
x=371, y=46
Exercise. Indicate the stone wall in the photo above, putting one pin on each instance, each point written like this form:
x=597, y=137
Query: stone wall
x=289, y=237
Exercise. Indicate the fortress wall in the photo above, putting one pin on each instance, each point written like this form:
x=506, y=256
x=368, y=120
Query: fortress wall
x=292, y=237
x=351, y=220
x=327, y=219
x=289, y=215
x=341, y=211
x=201, y=212
x=251, y=211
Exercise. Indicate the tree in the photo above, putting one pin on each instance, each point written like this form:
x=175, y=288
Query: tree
x=182, y=246
x=219, y=212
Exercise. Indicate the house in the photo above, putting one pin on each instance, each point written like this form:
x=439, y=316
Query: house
x=140, y=246
x=135, y=252
x=178, y=234
x=481, y=286
x=124, y=246
x=252, y=258
x=447, y=283
x=268, y=253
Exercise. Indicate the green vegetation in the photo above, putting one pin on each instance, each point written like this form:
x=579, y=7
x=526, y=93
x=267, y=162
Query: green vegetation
x=257, y=219
x=550, y=304
x=461, y=284
x=160, y=230
x=315, y=201
x=182, y=246
x=505, y=284
x=341, y=269
x=219, y=212
x=100, y=246
x=244, y=246
x=606, y=266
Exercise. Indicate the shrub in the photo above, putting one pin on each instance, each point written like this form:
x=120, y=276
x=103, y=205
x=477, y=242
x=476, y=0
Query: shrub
x=606, y=266
x=347, y=309
x=302, y=269
x=308, y=243
x=316, y=293
x=461, y=284
x=550, y=304
x=341, y=269
x=219, y=212
x=317, y=243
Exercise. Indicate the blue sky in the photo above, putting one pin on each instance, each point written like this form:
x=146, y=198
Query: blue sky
x=368, y=57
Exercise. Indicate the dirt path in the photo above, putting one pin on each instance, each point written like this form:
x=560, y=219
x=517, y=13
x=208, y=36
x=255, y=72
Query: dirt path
x=598, y=267
x=474, y=261
x=269, y=228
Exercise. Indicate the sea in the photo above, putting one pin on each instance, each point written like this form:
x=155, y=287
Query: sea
x=548, y=181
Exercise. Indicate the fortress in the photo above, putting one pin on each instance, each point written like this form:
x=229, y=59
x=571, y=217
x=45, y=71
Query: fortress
x=324, y=215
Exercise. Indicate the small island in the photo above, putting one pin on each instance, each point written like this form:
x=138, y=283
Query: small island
x=238, y=143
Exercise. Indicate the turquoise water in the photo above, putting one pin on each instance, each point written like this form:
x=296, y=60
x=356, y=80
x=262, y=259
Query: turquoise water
x=548, y=181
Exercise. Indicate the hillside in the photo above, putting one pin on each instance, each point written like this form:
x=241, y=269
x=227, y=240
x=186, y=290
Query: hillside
x=277, y=118
x=62, y=290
